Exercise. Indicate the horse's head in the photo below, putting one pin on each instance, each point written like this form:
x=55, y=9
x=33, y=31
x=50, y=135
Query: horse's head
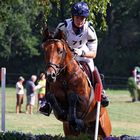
x=55, y=53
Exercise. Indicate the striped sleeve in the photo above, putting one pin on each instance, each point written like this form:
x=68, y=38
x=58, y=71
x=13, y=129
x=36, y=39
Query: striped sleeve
x=92, y=39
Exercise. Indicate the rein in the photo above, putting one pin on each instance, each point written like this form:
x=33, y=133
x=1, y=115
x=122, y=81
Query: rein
x=65, y=66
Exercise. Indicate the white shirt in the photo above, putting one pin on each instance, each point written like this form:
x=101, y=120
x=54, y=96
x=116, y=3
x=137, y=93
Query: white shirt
x=86, y=40
x=19, y=88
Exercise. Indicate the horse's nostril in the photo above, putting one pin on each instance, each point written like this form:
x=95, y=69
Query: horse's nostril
x=53, y=75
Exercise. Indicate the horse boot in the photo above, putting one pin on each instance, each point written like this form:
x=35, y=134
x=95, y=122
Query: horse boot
x=97, y=78
x=75, y=124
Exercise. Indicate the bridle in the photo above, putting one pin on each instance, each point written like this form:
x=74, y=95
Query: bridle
x=58, y=68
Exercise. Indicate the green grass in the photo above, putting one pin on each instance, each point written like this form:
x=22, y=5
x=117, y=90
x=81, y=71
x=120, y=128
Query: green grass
x=125, y=116
x=35, y=124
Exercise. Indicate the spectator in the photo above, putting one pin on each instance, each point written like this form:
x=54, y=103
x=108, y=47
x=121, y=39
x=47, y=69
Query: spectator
x=19, y=94
x=137, y=69
x=134, y=84
x=30, y=93
x=132, y=87
x=41, y=86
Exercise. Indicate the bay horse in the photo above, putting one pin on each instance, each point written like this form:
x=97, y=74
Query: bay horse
x=69, y=91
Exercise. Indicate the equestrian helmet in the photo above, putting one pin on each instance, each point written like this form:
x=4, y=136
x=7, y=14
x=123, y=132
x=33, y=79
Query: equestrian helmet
x=80, y=9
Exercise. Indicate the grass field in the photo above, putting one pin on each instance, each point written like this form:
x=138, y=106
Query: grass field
x=125, y=116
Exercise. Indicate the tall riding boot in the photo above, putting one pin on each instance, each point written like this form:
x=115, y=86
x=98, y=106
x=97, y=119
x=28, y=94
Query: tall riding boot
x=99, y=79
x=45, y=107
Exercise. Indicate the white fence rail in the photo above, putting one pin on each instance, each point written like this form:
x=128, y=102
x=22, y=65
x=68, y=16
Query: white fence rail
x=3, y=84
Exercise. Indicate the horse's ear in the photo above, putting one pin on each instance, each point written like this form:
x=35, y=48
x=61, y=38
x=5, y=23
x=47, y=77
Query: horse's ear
x=60, y=35
x=46, y=34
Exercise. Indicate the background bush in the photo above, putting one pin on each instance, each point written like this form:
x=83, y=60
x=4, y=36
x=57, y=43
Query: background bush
x=22, y=136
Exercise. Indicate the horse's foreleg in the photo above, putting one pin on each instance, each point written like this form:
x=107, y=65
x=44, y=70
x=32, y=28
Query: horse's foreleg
x=72, y=98
x=74, y=123
x=60, y=113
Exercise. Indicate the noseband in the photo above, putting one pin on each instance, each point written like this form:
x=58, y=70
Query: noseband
x=54, y=66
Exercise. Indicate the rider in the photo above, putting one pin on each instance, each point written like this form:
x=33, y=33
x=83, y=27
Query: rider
x=81, y=37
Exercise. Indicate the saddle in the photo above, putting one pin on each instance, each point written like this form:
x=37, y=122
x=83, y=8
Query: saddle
x=87, y=70
x=92, y=76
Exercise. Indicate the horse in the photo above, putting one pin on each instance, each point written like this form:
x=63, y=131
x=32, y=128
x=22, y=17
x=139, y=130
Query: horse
x=69, y=91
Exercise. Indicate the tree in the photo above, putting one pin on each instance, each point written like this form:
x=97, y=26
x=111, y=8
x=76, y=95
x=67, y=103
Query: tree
x=21, y=22
x=119, y=50
x=60, y=10
x=21, y=25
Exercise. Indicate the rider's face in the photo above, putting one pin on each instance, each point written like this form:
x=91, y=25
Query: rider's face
x=79, y=21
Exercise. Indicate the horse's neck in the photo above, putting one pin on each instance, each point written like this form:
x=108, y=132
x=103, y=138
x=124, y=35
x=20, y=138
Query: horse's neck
x=72, y=67
x=70, y=63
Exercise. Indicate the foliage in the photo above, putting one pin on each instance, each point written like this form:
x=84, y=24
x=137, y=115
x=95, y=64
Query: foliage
x=22, y=136
x=98, y=13
x=119, y=51
x=116, y=23
x=60, y=10
x=21, y=22
x=17, y=39
x=21, y=25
